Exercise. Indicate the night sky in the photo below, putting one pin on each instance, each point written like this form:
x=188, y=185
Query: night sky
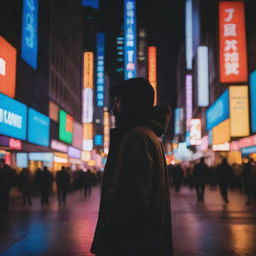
x=164, y=23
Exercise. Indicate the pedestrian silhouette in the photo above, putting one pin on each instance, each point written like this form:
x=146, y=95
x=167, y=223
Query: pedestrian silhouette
x=200, y=174
x=88, y=180
x=63, y=183
x=25, y=185
x=134, y=216
x=177, y=177
x=7, y=180
x=225, y=177
x=45, y=179
x=249, y=181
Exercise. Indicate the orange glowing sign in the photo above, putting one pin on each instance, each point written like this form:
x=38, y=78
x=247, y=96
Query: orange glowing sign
x=233, y=57
x=88, y=70
x=106, y=131
x=87, y=131
x=152, y=73
x=7, y=68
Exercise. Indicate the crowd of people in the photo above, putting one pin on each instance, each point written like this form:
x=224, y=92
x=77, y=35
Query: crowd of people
x=222, y=176
x=41, y=183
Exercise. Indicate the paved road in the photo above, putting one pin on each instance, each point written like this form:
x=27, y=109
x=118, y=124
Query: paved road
x=206, y=229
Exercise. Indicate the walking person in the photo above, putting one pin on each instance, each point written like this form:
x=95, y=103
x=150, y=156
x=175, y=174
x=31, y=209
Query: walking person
x=25, y=185
x=247, y=180
x=177, y=177
x=134, y=216
x=63, y=182
x=225, y=177
x=45, y=179
x=88, y=180
x=200, y=174
x=7, y=180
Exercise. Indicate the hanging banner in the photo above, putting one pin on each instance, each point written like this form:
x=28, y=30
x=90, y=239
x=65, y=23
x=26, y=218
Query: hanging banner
x=88, y=70
x=233, y=55
x=189, y=98
x=29, y=41
x=130, y=39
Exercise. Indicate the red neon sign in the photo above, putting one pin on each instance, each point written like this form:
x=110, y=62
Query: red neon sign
x=233, y=55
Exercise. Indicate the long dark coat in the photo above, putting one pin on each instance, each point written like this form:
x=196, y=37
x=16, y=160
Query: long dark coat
x=135, y=217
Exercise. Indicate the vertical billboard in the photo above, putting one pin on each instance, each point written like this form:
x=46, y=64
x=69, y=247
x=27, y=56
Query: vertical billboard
x=130, y=39
x=77, y=135
x=239, y=111
x=8, y=56
x=87, y=136
x=38, y=128
x=202, y=76
x=29, y=37
x=65, y=127
x=232, y=34
x=189, y=99
x=152, y=72
x=189, y=33
x=100, y=69
x=253, y=100
x=106, y=129
x=88, y=70
x=13, y=118
x=178, y=121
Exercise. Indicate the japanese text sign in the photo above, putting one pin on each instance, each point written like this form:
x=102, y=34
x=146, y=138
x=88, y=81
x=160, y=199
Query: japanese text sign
x=233, y=56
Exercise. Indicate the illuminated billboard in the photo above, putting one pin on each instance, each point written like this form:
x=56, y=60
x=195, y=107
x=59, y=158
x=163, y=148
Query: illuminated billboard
x=189, y=99
x=232, y=34
x=29, y=40
x=88, y=70
x=87, y=136
x=8, y=56
x=65, y=127
x=189, y=33
x=13, y=118
x=253, y=100
x=77, y=135
x=152, y=72
x=195, y=132
x=98, y=140
x=202, y=76
x=239, y=111
x=218, y=111
x=38, y=128
x=106, y=131
x=90, y=3
x=130, y=39
x=100, y=69
x=221, y=133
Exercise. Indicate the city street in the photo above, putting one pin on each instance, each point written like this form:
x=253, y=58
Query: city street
x=206, y=229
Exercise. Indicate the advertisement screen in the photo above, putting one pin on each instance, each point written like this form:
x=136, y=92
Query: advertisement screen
x=218, y=111
x=189, y=33
x=100, y=69
x=239, y=111
x=87, y=105
x=202, y=76
x=178, y=121
x=152, y=75
x=65, y=127
x=90, y=3
x=195, y=132
x=233, y=55
x=253, y=100
x=130, y=39
x=29, y=41
x=38, y=128
x=7, y=68
x=221, y=133
x=98, y=140
x=22, y=160
x=13, y=118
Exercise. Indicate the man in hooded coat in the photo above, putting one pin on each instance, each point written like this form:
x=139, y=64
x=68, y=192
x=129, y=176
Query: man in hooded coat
x=135, y=215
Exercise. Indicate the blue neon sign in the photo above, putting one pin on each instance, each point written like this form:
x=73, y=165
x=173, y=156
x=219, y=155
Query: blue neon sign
x=249, y=150
x=130, y=39
x=100, y=69
x=218, y=111
x=38, y=128
x=90, y=3
x=13, y=118
x=29, y=41
x=253, y=100
x=178, y=121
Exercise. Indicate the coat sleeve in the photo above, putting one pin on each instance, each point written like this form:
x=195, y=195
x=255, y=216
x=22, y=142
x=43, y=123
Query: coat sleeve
x=133, y=183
